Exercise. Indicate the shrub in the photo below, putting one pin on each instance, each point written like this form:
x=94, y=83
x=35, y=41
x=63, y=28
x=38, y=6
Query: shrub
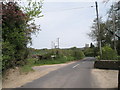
x=89, y=52
x=8, y=59
x=98, y=57
x=78, y=54
x=108, y=53
x=118, y=57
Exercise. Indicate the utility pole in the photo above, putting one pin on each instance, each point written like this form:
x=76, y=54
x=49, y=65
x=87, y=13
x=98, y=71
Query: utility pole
x=52, y=46
x=98, y=25
x=58, y=43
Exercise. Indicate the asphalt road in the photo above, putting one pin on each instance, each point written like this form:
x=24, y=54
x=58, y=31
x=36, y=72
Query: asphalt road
x=75, y=75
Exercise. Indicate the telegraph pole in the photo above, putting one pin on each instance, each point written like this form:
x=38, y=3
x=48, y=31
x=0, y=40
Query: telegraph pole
x=58, y=43
x=98, y=25
x=52, y=46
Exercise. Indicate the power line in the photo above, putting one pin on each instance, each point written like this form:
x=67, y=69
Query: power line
x=71, y=9
x=79, y=8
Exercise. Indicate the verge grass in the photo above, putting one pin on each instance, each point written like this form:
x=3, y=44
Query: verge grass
x=54, y=61
x=34, y=62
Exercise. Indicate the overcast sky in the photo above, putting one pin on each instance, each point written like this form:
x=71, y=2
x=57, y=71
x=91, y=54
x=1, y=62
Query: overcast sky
x=70, y=21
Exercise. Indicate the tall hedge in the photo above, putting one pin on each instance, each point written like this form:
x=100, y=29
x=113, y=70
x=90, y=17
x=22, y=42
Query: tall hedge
x=13, y=35
x=17, y=27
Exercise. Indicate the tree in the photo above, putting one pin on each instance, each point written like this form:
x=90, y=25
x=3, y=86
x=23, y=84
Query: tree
x=103, y=34
x=91, y=45
x=117, y=6
x=114, y=20
x=16, y=32
x=13, y=34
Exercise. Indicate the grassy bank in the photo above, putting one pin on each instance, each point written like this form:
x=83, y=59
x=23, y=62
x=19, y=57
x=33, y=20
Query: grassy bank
x=34, y=62
x=54, y=61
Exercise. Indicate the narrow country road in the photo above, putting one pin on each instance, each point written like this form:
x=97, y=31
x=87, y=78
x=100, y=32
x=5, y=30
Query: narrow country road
x=76, y=75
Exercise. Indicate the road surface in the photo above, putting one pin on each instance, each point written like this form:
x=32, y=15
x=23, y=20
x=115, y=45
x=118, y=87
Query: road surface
x=75, y=75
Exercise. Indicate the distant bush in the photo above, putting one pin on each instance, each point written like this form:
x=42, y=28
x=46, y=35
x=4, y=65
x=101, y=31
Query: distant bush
x=108, y=53
x=78, y=54
x=91, y=52
x=62, y=53
x=97, y=57
x=118, y=57
x=75, y=53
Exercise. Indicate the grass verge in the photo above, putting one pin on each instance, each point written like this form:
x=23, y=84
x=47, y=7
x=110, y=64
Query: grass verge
x=54, y=61
x=35, y=62
x=26, y=69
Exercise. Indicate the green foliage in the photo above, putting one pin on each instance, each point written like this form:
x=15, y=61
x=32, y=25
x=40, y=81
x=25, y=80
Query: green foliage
x=78, y=54
x=118, y=57
x=48, y=55
x=98, y=57
x=8, y=55
x=108, y=53
x=26, y=69
x=61, y=56
x=107, y=29
x=89, y=52
x=17, y=28
x=55, y=61
x=13, y=35
x=28, y=66
x=33, y=9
